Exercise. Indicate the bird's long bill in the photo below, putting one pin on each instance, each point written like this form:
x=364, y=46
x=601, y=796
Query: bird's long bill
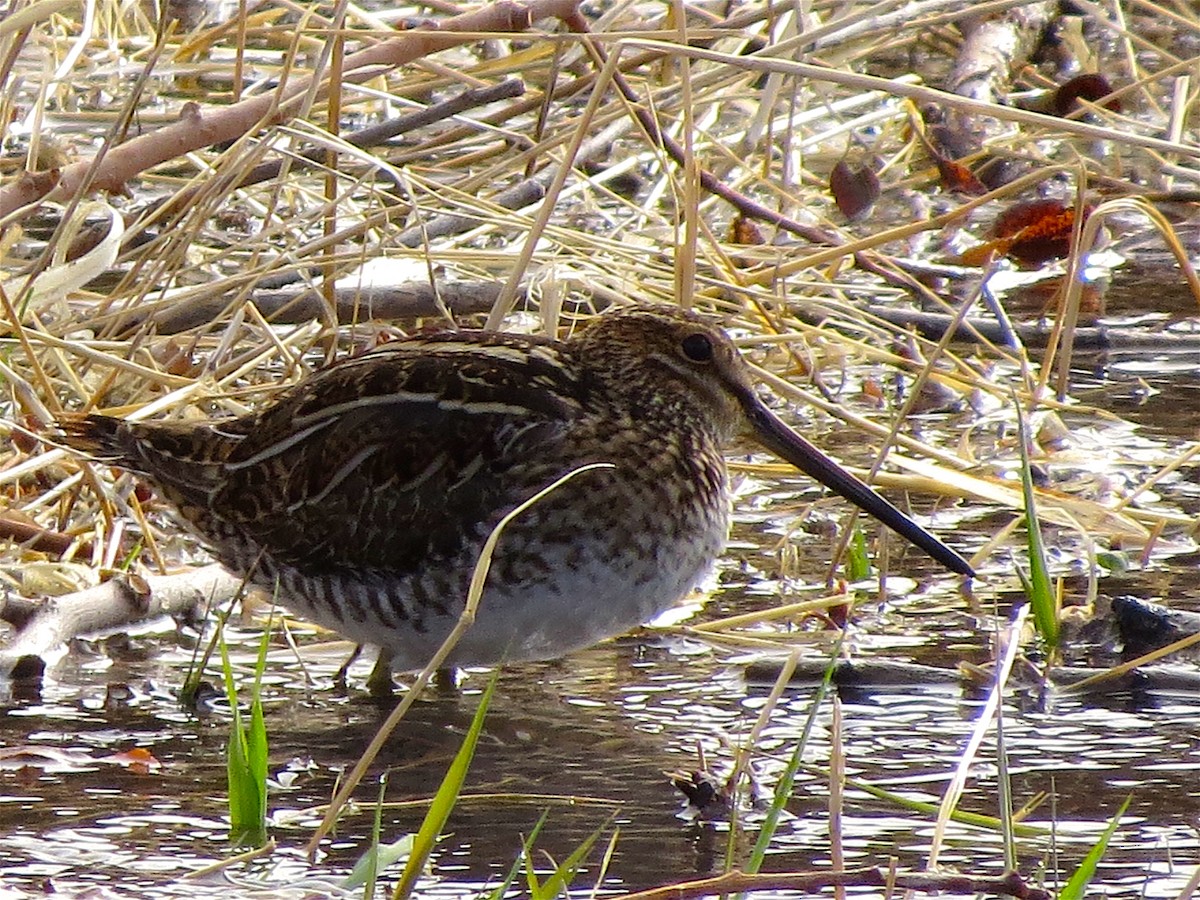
x=781, y=440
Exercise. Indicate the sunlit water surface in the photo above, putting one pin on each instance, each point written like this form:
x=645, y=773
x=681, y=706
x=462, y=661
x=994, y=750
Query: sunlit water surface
x=586, y=741
x=601, y=728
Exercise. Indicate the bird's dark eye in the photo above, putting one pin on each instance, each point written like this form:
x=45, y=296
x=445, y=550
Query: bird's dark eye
x=697, y=347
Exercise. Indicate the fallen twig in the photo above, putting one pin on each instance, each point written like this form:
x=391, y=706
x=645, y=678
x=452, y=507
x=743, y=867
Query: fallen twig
x=1010, y=884
x=203, y=128
x=117, y=603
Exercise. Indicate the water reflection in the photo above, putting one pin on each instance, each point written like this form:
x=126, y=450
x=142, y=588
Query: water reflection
x=588, y=739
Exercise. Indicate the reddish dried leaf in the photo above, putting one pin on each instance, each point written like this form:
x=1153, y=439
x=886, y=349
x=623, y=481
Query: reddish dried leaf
x=854, y=190
x=981, y=254
x=1092, y=87
x=1030, y=234
x=957, y=177
x=176, y=358
x=873, y=393
x=138, y=760
x=1027, y=214
x=838, y=615
x=1038, y=231
x=954, y=175
x=744, y=231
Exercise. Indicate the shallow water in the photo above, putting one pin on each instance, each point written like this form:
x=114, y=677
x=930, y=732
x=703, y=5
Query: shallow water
x=587, y=740
x=601, y=727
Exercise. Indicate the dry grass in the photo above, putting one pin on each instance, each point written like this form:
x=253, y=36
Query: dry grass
x=184, y=317
x=557, y=199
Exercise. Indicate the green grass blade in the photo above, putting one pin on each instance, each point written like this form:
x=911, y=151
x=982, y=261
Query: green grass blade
x=245, y=797
x=366, y=870
x=126, y=563
x=256, y=738
x=246, y=756
x=1076, y=886
x=1004, y=794
x=443, y=801
x=377, y=858
x=783, y=787
x=1041, y=593
x=858, y=562
x=201, y=656
x=930, y=808
x=532, y=884
x=243, y=803
x=606, y=861
x=514, y=870
x=558, y=881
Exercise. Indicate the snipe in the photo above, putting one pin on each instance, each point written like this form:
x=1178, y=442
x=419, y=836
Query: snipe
x=369, y=489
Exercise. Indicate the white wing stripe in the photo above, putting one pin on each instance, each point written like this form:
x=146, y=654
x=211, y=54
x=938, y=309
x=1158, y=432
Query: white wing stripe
x=289, y=440
x=304, y=426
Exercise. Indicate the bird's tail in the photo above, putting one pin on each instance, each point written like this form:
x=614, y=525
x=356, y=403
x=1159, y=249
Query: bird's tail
x=99, y=437
x=169, y=454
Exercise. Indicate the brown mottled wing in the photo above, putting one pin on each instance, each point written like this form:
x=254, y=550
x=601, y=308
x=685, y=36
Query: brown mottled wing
x=378, y=462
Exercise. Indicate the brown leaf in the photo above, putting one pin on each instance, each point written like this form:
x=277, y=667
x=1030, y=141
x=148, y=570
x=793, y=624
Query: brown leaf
x=1031, y=234
x=744, y=231
x=1092, y=87
x=854, y=190
x=176, y=358
x=980, y=254
x=1038, y=231
x=957, y=177
x=872, y=393
x=139, y=760
x=954, y=175
x=838, y=614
